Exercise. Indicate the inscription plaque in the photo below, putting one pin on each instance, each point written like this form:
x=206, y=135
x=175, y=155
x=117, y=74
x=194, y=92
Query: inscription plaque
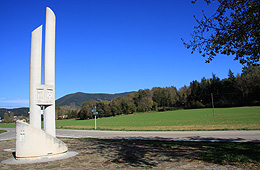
x=44, y=95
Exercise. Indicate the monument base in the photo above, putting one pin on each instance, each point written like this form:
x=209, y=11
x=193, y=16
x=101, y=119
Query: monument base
x=32, y=143
x=40, y=159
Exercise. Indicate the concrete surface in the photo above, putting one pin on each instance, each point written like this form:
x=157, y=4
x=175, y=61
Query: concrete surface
x=211, y=136
x=40, y=159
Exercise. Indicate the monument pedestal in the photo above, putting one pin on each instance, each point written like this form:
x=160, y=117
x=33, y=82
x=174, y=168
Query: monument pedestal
x=33, y=143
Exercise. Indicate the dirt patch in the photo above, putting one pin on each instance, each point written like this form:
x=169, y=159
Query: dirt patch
x=114, y=154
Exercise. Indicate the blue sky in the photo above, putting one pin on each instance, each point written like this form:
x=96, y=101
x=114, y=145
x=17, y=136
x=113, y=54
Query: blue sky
x=105, y=46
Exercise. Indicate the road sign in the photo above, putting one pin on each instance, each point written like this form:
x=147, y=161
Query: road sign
x=95, y=113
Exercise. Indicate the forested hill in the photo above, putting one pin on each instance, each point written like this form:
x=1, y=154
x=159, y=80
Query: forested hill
x=79, y=97
x=23, y=111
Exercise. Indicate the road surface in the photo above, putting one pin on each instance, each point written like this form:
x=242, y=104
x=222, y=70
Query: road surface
x=209, y=136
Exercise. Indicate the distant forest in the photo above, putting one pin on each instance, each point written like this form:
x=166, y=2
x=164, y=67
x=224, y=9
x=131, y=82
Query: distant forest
x=16, y=112
x=240, y=90
x=76, y=98
x=236, y=90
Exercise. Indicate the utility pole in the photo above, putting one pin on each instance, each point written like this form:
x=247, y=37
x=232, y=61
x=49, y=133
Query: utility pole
x=212, y=104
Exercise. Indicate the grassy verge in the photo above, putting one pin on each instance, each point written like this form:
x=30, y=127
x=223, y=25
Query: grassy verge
x=245, y=155
x=238, y=118
x=2, y=131
x=7, y=125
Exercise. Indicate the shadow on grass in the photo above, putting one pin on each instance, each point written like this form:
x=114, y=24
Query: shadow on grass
x=241, y=154
x=229, y=151
x=134, y=153
x=190, y=139
x=139, y=153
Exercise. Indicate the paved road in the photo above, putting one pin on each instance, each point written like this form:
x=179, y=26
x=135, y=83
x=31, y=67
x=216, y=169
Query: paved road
x=213, y=136
x=9, y=135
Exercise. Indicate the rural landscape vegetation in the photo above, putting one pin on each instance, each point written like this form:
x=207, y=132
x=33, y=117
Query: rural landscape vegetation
x=166, y=108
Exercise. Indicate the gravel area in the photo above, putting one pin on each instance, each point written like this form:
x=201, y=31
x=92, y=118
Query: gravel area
x=111, y=154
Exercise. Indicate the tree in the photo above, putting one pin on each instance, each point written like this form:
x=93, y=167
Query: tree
x=11, y=117
x=145, y=104
x=158, y=95
x=86, y=110
x=57, y=111
x=130, y=106
x=249, y=83
x=6, y=117
x=229, y=92
x=116, y=106
x=183, y=93
x=107, y=108
x=214, y=84
x=232, y=29
x=170, y=96
x=204, y=93
x=144, y=100
x=72, y=111
x=231, y=75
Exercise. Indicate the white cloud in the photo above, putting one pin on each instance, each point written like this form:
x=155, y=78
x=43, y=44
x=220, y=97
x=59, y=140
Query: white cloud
x=13, y=103
x=16, y=101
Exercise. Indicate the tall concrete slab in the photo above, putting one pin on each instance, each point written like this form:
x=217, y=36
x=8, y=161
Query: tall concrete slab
x=35, y=76
x=49, y=71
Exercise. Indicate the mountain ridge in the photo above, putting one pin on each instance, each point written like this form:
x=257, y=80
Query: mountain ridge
x=79, y=97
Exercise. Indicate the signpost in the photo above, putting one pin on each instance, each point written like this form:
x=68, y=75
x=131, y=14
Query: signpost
x=95, y=113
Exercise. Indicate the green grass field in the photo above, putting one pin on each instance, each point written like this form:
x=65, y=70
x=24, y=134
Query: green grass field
x=239, y=118
x=2, y=131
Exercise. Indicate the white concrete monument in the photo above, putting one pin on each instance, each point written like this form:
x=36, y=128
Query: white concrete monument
x=31, y=141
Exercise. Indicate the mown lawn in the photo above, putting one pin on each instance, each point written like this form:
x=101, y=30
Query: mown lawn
x=243, y=118
x=238, y=118
x=7, y=125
